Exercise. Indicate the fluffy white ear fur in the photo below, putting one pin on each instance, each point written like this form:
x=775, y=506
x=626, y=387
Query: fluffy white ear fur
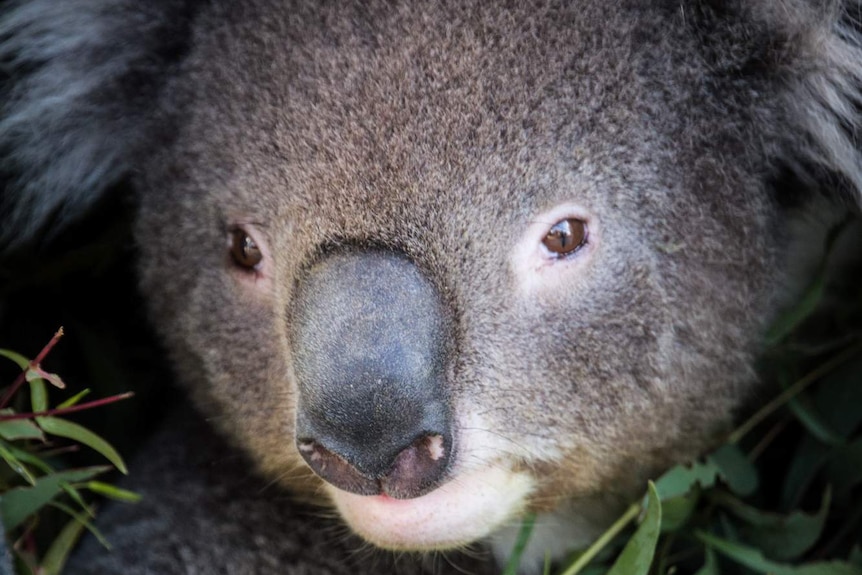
x=826, y=101
x=80, y=78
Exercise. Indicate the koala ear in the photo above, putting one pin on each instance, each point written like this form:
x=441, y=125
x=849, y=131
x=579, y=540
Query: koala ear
x=825, y=99
x=80, y=79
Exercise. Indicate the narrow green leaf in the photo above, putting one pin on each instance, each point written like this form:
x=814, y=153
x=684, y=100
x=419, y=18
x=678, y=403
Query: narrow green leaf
x=636, y=557
x=680, y=479
x=27, y=457
x=676, y=512
x=74, y=399
x=808, y=460
x=19, y=503
x=15, y=464
x=15, y=429
x=844, y=469
x=710, y=564
x=57, y=554
x=83, y=520
x=781, y=537
x=22, y=361
x=65, y=428
x=788, y=321
x=72, y=492
x=754, y=559
x=520, y=545
x=112, y=491
x=736, y=470
x=806, y=412
x=38, y=395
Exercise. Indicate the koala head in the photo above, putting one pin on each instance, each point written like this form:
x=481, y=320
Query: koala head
x=444, y=264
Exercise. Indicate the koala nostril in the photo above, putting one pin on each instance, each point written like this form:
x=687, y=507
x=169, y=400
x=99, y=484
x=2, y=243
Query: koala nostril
x=336, y=470
x=416, y=470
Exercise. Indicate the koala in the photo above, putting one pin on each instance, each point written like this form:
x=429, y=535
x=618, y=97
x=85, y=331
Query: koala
x=436, y=265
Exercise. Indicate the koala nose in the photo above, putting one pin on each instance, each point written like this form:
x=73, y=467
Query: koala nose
x=369, y=336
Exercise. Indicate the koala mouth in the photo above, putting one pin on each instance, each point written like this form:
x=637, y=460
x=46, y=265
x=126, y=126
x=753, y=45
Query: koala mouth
x=469, y=507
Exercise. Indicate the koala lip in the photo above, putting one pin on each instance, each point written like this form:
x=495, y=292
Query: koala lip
x=471, y=506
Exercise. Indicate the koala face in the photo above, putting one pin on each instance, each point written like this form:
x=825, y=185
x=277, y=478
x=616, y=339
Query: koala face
x=444, y=265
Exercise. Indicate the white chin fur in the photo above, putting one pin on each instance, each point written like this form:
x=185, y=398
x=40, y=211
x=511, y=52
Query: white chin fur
x=469, y=507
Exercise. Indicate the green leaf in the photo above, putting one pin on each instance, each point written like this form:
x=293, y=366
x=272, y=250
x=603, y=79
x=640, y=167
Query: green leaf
x=112, y=491
x=809, y=458
x=754, y=559
x=57, y=554
x=72, y=492
x=15, y=464
x=38, y=395
x=14, y=429
x=636, y=557
x=736, y=470
x=520, y=545
x=19, y=503
x=680, y=480
x=22, y=361
x=840, y=395
x=844, y=469
x=83, y=520
x=37, y=372
x=65, y=428
x=676, y=512
x=74, y=399
x=806, y=412
x=27, y=457
x=710, y=564
x=778, y=536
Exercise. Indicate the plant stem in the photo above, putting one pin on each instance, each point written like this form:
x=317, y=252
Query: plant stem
x=72, y=409
x=594, y=549
x=792, y=392
x=19, y=381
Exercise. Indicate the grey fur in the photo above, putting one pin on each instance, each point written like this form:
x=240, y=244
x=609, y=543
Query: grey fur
x=443, y=131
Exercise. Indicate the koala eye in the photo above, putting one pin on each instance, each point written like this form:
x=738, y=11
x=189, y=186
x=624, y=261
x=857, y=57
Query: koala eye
x=244, y=250
x=566, y=237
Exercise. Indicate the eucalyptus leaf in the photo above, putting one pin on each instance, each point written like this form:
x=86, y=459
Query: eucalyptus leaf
x=636, y=557
x=15, y=464
x=74, y=399
x=844, y=469
x=83, y=520
x=112, y=492
x=754, y=559
x=809, y=458
x=680, y=479
x=27, y=457
x=840, y=395
x=710, y=564
x=13, y=429
x=781, y=537
x=735, y=468
x=19, y=503
x=807, y=414
x=57, y=554
x=38, y=395
x=676, y=512
x=65, y=428
x=520, y=544
x=22, y=361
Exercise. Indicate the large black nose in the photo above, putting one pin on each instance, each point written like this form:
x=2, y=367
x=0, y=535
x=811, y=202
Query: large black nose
x=370, y=342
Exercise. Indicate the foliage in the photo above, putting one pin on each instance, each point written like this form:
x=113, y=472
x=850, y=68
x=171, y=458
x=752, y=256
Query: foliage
x=32, y=486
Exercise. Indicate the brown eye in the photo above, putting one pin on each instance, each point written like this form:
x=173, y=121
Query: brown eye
x=244, y=250
x=566, y=237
